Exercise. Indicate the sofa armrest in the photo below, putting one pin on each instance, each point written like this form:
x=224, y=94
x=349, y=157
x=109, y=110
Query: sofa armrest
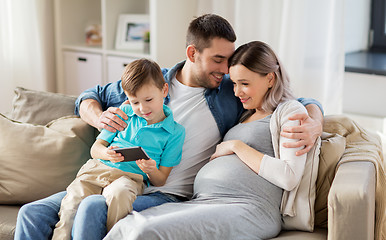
x=351, y=202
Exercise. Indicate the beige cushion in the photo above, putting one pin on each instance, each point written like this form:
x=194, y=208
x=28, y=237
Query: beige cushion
x=8, y=218
x=332, y=149
x=37, y=161
x=37, y=107
x=318, y=234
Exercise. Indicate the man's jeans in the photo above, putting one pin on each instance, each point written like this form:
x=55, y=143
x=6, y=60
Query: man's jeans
x=36, y=220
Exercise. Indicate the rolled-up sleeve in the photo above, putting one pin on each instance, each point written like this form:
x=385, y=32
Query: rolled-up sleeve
x=307, y=101
x=110, y=95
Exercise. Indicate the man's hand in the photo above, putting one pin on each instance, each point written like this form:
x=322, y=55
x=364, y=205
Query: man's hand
x=307, y=132
x=110, y=121
x=91, y=112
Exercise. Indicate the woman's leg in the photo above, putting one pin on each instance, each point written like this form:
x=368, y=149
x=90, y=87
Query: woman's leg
x=176, y=221
x=36, y=220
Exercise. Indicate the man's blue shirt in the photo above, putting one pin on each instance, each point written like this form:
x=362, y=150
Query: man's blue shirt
x=225, y=107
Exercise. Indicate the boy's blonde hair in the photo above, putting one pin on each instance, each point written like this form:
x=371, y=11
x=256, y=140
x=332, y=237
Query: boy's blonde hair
x=139, y=73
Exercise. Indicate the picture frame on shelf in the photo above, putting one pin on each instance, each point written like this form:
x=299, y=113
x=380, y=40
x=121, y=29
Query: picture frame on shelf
x=133, y=31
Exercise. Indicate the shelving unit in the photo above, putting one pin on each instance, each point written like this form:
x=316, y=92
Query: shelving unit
x=169, y=20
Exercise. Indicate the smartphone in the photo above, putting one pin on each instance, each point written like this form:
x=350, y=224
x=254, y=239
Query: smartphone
x=132, y=153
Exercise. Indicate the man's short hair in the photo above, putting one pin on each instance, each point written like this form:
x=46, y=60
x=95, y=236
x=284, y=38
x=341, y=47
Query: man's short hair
x=206, y=27
x=139, y=73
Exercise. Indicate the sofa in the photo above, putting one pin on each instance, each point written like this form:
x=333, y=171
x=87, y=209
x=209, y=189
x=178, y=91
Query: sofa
x=43, y=145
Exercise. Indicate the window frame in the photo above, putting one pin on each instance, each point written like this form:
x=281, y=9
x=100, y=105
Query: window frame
x=378, y=10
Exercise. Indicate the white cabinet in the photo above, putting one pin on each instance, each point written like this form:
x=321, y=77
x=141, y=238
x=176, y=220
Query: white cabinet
x=364, y=94
x=81, y=71
x=169, y=20
x=115, y=67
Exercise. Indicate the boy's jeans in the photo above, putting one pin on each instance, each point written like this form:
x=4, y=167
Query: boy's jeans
x=36, y=220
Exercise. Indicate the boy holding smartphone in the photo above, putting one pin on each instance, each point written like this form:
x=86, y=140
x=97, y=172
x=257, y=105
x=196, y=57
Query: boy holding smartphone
x=151, y=126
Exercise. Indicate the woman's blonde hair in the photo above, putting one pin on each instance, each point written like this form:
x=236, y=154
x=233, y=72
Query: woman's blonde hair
x=260, y=58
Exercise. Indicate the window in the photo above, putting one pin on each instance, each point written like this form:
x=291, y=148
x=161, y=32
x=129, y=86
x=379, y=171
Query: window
x=378, y=25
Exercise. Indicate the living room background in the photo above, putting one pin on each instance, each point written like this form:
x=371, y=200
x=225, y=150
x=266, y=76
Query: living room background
x=309, y=36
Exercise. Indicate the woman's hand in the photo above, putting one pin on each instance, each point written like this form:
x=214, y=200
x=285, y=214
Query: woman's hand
x=224, y=148
x=250, y=156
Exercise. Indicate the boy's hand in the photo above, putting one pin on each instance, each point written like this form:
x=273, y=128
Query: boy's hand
x=147, y=166
x=113, y=156
x=307, y=132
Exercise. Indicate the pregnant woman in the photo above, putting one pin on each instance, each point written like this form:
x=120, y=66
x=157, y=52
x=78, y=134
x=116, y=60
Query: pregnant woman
x=238, y=194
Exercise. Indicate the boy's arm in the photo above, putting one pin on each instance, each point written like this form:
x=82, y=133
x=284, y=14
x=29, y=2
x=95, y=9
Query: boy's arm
x=157, y=177
x=100, y=150
x=311, y=127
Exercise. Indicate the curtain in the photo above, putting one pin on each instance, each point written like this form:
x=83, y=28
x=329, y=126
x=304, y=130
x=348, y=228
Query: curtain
x=307, y=35
x=27, y=56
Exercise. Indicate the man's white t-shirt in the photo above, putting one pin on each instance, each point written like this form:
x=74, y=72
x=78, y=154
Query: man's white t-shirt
x=191, y=110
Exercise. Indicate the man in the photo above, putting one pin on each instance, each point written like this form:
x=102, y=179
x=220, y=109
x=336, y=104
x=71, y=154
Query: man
x=202, y=100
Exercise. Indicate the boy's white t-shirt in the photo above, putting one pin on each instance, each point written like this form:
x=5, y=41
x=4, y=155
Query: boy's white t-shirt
x=191, y=110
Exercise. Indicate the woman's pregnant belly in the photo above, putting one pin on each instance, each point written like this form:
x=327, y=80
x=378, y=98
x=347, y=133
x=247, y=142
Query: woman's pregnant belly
x=227, y=178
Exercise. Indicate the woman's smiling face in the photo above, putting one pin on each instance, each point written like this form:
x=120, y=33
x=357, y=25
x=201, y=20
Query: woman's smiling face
x=250, y=87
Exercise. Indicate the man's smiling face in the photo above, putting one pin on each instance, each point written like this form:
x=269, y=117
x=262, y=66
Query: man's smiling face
x=212, y=63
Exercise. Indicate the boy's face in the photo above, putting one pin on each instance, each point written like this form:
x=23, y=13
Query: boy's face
x=148, y=102
x=212, y=63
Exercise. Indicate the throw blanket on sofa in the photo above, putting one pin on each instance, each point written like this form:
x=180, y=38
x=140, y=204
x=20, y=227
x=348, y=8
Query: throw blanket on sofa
x=351, y=147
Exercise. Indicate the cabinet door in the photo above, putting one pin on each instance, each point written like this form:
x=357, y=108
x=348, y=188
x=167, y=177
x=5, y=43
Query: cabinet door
x=81, y=71
x=115, y=67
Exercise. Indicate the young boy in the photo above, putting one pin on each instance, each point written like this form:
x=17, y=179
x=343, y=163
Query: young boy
x=150, y=125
